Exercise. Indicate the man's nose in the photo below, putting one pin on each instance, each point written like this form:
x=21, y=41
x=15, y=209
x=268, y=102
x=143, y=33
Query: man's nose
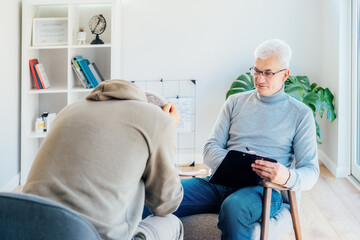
x=261, y=77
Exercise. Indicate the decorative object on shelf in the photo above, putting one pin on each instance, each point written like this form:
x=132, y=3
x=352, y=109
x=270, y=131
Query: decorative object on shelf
x=39, y=125
x=97, y=25
x=50, y=31
x=43, y=123
x=81, y=36
x=47, y=119
x=316, y=98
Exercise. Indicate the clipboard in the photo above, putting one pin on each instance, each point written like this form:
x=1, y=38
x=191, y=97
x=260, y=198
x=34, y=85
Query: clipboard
x=235, y=170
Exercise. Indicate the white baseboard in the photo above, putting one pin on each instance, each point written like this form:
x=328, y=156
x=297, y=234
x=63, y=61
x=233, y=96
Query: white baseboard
x=354, y=181
x=338, y=172
x=11, y=185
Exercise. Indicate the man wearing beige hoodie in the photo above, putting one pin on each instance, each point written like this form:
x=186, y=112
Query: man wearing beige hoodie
x=108, y=155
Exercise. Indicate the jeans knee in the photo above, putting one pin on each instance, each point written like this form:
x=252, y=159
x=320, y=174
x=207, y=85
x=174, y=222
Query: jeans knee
x=239, y=210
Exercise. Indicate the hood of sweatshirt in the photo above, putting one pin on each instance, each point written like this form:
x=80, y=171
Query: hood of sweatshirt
x=116, y=89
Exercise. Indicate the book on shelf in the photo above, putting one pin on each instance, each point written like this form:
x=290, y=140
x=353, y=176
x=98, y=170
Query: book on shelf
x=84, y=68
x=95, y=71
x=40, y=70
x=36, y=79
x=76, y=59
x=84, y=64
x=79, y=74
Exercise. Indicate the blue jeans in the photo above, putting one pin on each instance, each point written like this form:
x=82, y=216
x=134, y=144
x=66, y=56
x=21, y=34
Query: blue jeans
x=238, y=209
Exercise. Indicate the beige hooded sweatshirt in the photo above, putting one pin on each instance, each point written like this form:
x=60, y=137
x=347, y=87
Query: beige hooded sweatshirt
x=108, y=155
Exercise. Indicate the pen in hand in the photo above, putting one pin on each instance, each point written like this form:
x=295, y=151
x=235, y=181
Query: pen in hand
x=251, y=152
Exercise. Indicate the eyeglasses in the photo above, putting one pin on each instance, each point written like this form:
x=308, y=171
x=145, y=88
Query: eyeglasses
x=266, y=74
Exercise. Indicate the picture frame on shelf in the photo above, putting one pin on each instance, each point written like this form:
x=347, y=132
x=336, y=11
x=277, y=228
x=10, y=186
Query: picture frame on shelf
x=50, y=31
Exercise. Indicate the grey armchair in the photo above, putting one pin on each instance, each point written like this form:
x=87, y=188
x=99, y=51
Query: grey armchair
x=29, y=217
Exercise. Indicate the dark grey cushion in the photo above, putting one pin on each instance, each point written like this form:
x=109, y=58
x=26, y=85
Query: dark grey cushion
x=29, y=217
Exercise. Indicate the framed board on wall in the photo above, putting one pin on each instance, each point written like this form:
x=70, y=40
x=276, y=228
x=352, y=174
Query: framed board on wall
x=183, y=94
x=50, y=31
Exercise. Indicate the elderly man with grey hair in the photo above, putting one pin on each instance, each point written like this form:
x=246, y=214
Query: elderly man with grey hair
x=268, y=122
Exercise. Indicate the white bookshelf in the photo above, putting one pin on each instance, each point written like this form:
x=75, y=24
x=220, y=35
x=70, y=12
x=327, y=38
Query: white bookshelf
x=65, y=87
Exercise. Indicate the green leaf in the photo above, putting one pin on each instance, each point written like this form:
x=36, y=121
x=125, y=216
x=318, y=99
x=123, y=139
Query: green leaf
x=296, y=91
x=238, y=84
x=329, y=98
x=232, y=91
x=313, y=86
x=298, y=81
x=304, y=81
x=243, y=83
x=310, y=98
x=320, y=102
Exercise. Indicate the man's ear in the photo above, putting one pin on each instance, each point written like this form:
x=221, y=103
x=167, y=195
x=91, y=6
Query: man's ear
x=286, y=75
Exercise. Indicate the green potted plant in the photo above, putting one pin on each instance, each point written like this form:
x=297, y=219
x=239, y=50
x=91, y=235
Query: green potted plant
x=316, y=98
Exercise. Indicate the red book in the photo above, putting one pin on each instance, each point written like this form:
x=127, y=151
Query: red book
x=32, y=62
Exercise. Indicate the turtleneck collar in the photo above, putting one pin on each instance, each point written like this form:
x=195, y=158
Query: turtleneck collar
x=276, y=97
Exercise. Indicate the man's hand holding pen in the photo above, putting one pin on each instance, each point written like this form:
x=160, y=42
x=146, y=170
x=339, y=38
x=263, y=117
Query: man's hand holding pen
x=270, y=171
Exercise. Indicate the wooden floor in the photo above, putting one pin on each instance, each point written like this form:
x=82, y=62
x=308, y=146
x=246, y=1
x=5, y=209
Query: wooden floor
x=331, y=210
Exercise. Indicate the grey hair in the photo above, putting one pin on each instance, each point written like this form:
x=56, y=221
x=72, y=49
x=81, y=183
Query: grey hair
x=275, y=47
x=156, y=99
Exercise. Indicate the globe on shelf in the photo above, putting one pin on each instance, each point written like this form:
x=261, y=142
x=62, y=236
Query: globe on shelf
x=97, y=25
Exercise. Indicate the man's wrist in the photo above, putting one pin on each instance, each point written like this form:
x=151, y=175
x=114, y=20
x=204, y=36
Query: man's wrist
x=289, y=175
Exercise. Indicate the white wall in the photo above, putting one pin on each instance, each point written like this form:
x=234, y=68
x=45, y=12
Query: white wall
x=336, y=74
x=10, y=95
x=213, y=41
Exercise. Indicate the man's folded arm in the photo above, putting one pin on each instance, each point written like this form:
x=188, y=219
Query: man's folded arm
x=163, y=190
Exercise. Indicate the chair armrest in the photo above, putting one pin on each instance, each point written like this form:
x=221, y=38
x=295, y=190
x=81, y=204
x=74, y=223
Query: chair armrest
x=273, y=185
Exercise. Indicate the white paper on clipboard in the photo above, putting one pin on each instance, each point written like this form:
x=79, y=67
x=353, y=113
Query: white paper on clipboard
x=185, y=108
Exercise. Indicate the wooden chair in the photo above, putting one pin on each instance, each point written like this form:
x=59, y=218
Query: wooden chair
x=268, y=186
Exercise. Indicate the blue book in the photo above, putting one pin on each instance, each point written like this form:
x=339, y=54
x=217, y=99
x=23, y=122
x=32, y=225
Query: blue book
x=38, y=79
x=76, y=59
x=84, y=66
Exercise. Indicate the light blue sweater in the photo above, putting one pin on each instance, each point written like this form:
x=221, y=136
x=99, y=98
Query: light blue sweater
x=276, y=126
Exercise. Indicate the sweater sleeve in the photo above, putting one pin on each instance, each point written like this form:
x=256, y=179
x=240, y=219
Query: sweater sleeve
x=306, y=171
x=163, y=190
x=215, y=148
